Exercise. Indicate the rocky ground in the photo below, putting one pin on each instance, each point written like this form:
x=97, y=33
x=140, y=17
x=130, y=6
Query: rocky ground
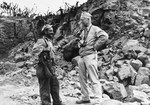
x=124, y=65
x=21, y=88
x=15, y=89
x=123, y=71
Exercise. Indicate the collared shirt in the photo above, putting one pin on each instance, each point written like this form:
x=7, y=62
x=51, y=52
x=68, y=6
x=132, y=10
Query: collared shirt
x=94, y=33
x=89, y=27
x=86, y=31
x=43, y=44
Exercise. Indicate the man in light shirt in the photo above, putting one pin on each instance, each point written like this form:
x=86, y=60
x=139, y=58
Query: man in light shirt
x=91, y=37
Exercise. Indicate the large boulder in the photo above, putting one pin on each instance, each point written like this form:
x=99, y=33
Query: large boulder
x=71, y=50
x=140, y=96
x=141, y=79
x=124, y=72
x=133, y=45
x=13, y=31
x=145, y=11
x=144, y=71
x=143, y=58
x=115, y=90
x=136, y=64
x=142, y=76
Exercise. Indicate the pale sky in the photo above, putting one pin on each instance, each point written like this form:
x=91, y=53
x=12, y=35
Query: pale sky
x=43, y=5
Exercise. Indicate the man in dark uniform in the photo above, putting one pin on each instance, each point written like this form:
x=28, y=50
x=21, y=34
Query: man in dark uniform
x=44, y=53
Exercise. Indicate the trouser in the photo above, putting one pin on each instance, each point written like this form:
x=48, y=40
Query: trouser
x=88, y=68
x=49, y=86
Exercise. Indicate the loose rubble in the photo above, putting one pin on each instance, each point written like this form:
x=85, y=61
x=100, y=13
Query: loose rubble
x=124, y=65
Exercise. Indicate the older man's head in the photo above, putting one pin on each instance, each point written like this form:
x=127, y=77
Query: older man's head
x=85, y=18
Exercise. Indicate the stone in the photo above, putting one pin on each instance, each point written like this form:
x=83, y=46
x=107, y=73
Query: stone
x=33, y=71
x=143, y=58
x=106, y=51
x=148, y=95
x=124, y=72
x=115, y=91
x=27, y=55
x=119, y=63
x=143, y=87
x=115, y=79
x=111, y=5
x=147, y=52
x=145, y=11
x=117, y=57
x=130, y=43
x=144, y=71
x=142, y=79
x=146, y=102
x=29, y=63
x=136, y=64
x=138, y=48
x=111, y=102
x=147, y=33
x=71, y=50
x=19, y=58
x=138, y=95
x=9, y=39
x=133, y=45
x=20, y=64
x=10, y=66
x=73, y=72
x=77, y=85
x=60, y=77
x=148, y=65
x=148, y=1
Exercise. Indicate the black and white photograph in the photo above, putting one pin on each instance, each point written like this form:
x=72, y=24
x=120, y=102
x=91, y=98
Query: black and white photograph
x=74, y=52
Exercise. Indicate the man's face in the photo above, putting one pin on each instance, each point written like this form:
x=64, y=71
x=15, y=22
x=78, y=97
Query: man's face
x=84, y=21
x=49, y=33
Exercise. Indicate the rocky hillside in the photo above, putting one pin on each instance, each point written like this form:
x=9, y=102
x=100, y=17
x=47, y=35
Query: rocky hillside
x=124, y=66
x=12, y=32
x=117, y=17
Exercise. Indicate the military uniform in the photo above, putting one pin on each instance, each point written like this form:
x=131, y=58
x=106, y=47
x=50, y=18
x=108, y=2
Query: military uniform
x=88, y=60
x=48, y=85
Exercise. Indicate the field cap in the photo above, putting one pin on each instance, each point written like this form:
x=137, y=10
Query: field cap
x=47, y=26
x=85, y=15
